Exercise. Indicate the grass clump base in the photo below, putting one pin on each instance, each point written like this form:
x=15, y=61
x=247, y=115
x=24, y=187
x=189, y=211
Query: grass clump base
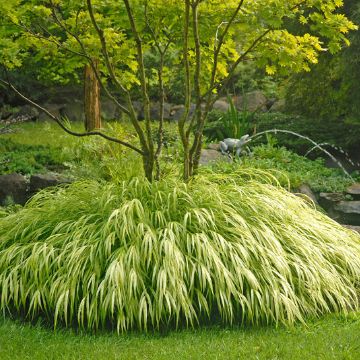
x=140, y=255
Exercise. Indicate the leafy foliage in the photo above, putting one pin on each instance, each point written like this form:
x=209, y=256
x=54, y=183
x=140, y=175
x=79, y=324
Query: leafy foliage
x=34, y=33
x=146, y=44
x=139, y=255
x=290, y=169
x=232, y=124
x=27, y=159
x=332, y=90
x=339, y=132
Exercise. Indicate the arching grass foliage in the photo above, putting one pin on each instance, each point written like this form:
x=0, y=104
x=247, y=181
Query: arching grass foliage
x=140, y=255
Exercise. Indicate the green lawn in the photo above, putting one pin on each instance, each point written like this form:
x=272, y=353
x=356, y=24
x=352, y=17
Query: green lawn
x=330, y=338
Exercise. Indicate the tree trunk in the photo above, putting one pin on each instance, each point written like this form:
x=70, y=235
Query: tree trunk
x=92, y=99
x=148, y=164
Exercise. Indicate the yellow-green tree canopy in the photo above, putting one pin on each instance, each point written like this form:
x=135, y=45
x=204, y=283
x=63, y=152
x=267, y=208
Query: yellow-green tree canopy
x=46, y=31
x=146, y=43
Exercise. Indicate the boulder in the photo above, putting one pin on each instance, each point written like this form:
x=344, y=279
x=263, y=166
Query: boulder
x=54, y=109
x=348, y=207
x=331, y=198
x=73, y=111
x=354, y=228
x=354, y=190
x=42, y=181
x=64, y=94
x=349, y=212
x=177, y=111
x=109, y=110
x=13, y=187
x=138, y=109
x=221, y=105
x=209, y=156
x=278, y=106
x=252, y=101
x=155, y=111
x=328, y=201
x=29, y=111
x=305, y=189
x=214, y=146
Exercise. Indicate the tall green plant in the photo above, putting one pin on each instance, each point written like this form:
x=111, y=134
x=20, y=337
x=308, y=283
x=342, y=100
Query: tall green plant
x=236, y=123
x=232, y=124
x=141, y=255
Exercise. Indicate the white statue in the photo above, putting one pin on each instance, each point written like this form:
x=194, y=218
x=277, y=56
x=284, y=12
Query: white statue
x=231, y=146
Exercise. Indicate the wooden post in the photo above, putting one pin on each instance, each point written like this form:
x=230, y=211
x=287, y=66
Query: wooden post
x=92, y=98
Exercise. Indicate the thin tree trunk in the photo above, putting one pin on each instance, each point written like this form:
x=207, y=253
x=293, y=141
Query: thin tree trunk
x=181, y=124
x=161, y=120
x=196, y=147
x=148, y=164
x=92, y=98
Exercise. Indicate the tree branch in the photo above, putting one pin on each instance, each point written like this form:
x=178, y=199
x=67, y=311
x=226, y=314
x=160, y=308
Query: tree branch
x=60, y=123
x=132, y=113
x=162, y=53
x=198, y=112
x=89, y=58
x=141, y=64
x=181, y=123
x=83, y=54
x=217, y=49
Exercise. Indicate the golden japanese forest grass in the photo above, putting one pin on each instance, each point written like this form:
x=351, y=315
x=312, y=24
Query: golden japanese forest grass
x=135, y=255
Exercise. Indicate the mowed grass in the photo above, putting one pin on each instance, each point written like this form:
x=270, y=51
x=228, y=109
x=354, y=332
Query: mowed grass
x=329, y=338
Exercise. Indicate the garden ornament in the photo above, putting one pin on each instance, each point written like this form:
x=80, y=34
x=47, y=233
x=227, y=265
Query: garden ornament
x=231, y=146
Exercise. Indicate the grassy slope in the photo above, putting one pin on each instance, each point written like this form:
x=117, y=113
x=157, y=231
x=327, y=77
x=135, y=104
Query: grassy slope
x=42, y=133
x=329, y=338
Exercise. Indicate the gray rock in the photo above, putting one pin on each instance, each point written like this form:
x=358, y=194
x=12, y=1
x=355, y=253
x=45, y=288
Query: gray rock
x=42, y=181
x=306, y=190
x=349, y=212
x=13, y=187
x=177, y=111
x=73, y=111
x=221, y=105
x=63, y=94
x=155, y=111
x=354, y=189
x=252, y=101
x=328, y=201
x=29, y=111
x=354, y=228
x=54, y=109
x=109, y=110
x=348, y=207
x=331, y=197
x=278, y=106
x=138, y=109
x=209, y=156
x=214, y=146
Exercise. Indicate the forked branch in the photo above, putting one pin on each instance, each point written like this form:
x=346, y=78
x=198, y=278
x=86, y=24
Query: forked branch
x=61, y=123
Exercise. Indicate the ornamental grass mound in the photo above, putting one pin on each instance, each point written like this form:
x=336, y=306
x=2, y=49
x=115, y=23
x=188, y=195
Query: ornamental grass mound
x=137, y=255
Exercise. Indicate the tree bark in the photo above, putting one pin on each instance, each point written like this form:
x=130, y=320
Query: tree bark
x=92, y=98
